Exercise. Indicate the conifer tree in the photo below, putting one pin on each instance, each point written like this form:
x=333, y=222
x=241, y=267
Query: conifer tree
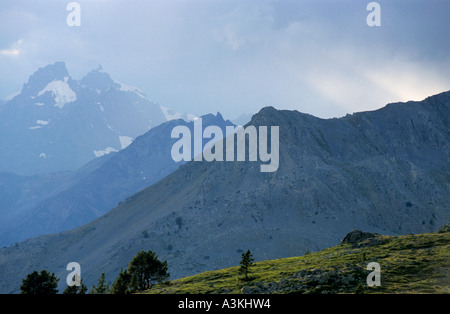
x=102, y=287
x=122, y=283
x=39, y=283
x=246, y=262
x=146, y=269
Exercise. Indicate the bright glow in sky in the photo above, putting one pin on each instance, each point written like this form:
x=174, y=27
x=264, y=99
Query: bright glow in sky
x=237, y=56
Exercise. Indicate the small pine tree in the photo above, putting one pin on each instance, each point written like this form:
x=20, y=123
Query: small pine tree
x=122, y=283
x=102, y=287
x=246, y=262
x=39, y=283
x=81, y=289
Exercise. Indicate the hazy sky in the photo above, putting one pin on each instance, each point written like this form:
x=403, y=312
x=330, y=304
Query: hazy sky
x=200, y=56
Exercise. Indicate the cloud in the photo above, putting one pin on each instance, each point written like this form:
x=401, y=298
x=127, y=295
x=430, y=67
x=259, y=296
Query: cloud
x=236, y=56
x=243, y=25
x=10, y=52
x=408, y=80
x=14, y=51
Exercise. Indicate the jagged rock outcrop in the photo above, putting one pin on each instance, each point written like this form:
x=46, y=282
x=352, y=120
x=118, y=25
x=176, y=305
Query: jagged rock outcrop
x=356, y=236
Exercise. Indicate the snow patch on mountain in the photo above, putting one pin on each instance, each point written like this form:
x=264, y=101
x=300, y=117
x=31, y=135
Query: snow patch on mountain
x=125, y=141
x=171, y=114
x=42, y=122
x=133, y=89
x=61, y=91
x=11, y=96
x=106, y=151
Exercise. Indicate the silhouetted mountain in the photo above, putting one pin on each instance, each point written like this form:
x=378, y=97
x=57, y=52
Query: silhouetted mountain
x=385, y=171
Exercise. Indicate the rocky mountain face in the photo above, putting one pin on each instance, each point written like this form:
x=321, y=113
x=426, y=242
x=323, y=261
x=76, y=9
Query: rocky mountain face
x=50, y=203
x=56, y=123
x=385, y=171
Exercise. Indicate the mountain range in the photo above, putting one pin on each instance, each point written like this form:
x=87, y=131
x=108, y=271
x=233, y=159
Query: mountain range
x=54, y=202
x=385, y=171
x=57, y=123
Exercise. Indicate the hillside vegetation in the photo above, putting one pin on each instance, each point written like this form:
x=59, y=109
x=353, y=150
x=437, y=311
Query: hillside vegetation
x=409, y=264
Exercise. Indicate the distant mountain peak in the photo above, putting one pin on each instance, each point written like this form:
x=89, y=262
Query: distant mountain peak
x=214, y=119
x=58, y=123
x=99, y=79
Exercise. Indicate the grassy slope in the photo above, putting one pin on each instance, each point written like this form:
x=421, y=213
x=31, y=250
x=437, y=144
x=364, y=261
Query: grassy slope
x=409, y=264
